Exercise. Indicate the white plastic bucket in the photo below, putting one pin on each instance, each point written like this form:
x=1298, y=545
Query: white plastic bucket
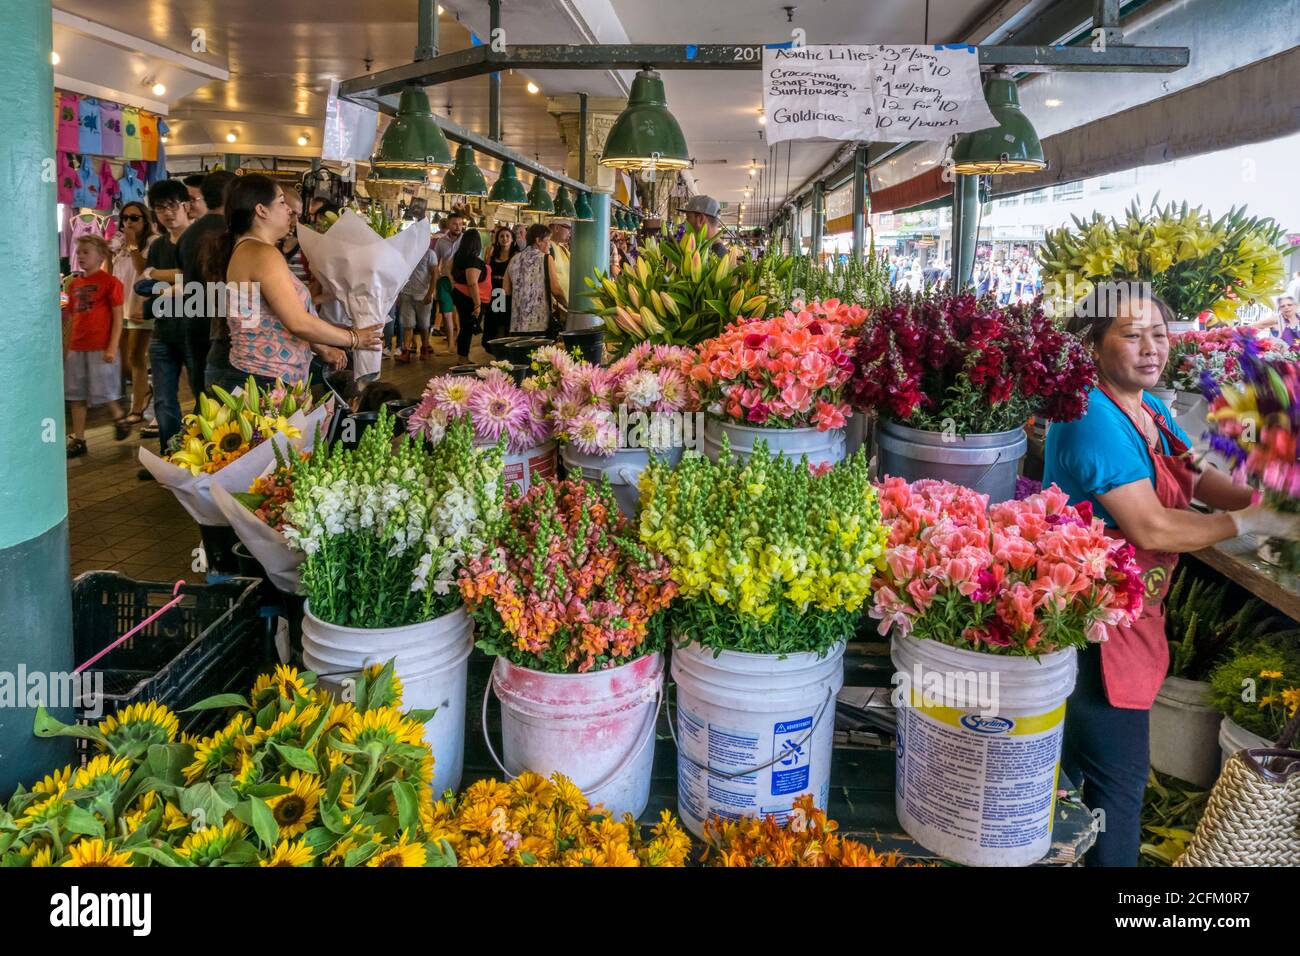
x=623, y=468
x=977, y=784
x=530, y=466
x=597, y=728
x=1185, y=732
x=1234, y=737
x=754, y=731
x=431, y=659
x=822, y=448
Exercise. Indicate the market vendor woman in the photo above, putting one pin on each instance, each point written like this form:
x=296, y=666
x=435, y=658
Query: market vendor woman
x=1130, y=460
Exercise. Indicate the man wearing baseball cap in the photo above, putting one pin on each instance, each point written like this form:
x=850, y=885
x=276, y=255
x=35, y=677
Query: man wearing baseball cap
x=703, y=211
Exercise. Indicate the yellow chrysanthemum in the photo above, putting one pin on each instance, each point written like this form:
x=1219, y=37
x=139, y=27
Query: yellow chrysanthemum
x=295, y=810
x=1271, y=674
x=289, y=853
x=96, y=853
x=489, y=852
x=401, y=853
x=150, y=723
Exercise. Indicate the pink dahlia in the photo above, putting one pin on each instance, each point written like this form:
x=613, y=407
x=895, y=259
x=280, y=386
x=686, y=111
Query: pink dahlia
x=451, y=393
x=592, y=431
x=497, y=408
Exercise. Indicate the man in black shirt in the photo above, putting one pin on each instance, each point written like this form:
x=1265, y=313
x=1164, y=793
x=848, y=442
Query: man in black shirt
x=169, y=350
x=209, y=337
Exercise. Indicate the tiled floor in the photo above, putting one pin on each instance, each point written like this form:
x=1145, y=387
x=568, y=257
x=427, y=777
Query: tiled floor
x=118, y=522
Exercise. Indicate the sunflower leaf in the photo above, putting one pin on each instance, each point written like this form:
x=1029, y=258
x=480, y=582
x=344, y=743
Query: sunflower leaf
x=421, y=716
x=240, y=853
x=166, y=761
x=203, y=797
x=268, y=789
x=408, y=805
x=218, y=701
x=268, y=831
x=76, y=820
x=161, y=854
x=359, y=854
x=297, y=758
x=441, y=855
x=46, y=725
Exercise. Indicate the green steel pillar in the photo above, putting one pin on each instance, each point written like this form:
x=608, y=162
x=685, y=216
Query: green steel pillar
x=859, y=202
x=232, y=162
x=588, y=251
x=818, y=221
x=965, y=216
x=797, y=228
x=35, y=609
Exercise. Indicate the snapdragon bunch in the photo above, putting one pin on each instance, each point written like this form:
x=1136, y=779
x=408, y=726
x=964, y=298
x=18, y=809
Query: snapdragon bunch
x=770, y=558
x=385, y=529
x=1024, y=577
x=492, y=401
x=566, y=586
x=649, y=379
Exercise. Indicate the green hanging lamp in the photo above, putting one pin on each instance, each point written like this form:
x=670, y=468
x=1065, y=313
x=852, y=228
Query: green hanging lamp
x=564, y=208
x=465, y=178
x=508, y=190
x=539, y=198
x=412, y=141
x=582, y=208
x=1010, y=147
x=646, y=135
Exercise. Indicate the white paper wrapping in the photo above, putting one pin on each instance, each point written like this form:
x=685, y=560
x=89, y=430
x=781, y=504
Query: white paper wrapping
x=268, y=546
x=364, y=271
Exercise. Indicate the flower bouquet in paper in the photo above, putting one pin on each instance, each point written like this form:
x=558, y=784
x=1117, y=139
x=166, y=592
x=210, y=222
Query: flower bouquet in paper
x=257, y=515
x=364, y=270
x=232, y=439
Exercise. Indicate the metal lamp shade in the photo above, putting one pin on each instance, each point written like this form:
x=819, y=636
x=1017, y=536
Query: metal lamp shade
x=564, y=208
x=412, y=141
x=1010, y=147
x=465, y=178
x=582, y=209
x=539, y=198
x=646, y=135
x=508, y=190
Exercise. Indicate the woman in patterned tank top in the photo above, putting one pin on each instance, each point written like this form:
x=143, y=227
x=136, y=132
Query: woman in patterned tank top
x=273, y=327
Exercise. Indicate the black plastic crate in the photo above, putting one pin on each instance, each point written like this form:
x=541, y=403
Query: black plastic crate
x=212, y=642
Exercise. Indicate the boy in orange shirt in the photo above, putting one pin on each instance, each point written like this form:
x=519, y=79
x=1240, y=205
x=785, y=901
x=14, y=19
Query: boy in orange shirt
x=92, y=374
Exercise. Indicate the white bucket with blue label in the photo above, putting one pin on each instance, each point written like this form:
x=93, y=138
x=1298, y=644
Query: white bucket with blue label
x=979, y=749
x=754, y=731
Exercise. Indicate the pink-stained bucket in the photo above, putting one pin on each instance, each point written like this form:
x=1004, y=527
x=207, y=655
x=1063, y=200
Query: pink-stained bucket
x=596, y=728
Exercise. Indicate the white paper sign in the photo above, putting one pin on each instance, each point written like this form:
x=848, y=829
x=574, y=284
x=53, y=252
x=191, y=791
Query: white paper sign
x=881, y=92
x=818, y=92
x=927, y=92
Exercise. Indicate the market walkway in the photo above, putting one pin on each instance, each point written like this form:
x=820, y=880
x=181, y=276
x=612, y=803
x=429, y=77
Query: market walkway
x=118, y=522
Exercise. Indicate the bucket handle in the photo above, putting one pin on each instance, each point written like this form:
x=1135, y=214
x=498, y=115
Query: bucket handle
x=646, y=736
x=672, y=730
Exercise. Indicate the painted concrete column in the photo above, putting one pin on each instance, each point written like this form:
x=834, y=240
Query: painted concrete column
x=35, y=610
x=965, y=215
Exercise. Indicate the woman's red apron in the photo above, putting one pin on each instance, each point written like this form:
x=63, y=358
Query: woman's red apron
x=1135, y=657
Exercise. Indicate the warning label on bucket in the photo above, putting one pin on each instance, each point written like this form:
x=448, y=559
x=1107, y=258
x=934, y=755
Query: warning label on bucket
x=791, y=755
x=991, y=785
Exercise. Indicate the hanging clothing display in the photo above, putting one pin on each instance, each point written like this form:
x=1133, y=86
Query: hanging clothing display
x=158, y=169
x=86, y=193
x=109, y=191
x=69, y=123
x=88, y=113
x=148, y=137
x=131, y=185
x=110, y=128
x=131, y=133
x=82, y=224
x=67, y=183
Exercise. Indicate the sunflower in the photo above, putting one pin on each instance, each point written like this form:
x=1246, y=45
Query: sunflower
x=246, y=771
x=206, y=846
x=337, y=855
x=226, y=438
x=294, y=810
x=289, y=853
x=55, y=782
x=218, y=751
x=385, y=725
x=149, y=723
x=400, y=853
x=135, y=817
x=96, y=853
x=284, y=680
x=102, y=773
x=42, y=811
x=284, y=729
x=42, y=856
x=374, y=670
x=174, y=818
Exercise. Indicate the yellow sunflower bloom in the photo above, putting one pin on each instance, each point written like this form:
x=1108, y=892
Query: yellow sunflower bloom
x=96, y=853
x=295, y=810
x=149, y=722
x=101, y=772
x=55, y=782
x=401, y=853
x=289, y=853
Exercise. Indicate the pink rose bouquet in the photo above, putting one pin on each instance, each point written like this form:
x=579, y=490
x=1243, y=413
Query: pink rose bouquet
x=495, y=405
x=1023, y=577
x=585, y=409
x=785, y=372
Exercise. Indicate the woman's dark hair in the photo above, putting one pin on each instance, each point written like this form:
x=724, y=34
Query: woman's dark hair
x=243, y=197
x=147, y=231
x=1094, y=314
x=470, y=248
x=375, y=394
x=510, y=250
x=536, y=233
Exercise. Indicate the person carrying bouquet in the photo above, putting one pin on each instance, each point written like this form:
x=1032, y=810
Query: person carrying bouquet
x=1129, y=460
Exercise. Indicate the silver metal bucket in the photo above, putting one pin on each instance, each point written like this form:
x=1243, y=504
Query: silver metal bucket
x=986, y=463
